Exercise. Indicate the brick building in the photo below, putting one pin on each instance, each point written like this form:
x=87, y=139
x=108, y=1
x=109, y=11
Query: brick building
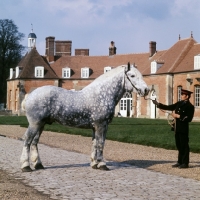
x=164, y=71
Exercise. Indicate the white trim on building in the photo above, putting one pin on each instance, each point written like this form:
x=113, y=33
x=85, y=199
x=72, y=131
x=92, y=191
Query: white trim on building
x=39, y=72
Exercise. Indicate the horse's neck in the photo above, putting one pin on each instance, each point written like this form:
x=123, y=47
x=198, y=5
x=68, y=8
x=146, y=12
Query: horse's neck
x=119, y=95
x=119, y=88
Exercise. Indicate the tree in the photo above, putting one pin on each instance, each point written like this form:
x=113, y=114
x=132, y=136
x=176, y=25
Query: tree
x=10, y=52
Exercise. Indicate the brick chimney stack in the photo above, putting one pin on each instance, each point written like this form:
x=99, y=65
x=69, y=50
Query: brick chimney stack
x=81, y=52
x=112, y=49
x=50, y=48
x=63, y=48
x=152, y=48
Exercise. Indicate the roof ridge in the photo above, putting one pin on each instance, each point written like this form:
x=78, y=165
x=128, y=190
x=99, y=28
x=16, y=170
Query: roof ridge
x=112, y=55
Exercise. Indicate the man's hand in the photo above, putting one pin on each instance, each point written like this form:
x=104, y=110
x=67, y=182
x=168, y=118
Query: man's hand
x=155, y=102
x=174, y=115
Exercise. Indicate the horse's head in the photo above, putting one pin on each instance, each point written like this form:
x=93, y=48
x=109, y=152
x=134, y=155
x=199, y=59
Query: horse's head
x=134, y=81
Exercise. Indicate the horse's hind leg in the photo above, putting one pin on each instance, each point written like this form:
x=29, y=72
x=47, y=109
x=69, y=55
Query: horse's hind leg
x=97, y=161
x=30, y=133
x=35, y=158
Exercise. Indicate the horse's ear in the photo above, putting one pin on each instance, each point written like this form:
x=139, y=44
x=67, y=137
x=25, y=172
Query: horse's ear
x=128, y=67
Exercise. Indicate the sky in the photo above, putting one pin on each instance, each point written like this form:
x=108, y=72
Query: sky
x=93, y=24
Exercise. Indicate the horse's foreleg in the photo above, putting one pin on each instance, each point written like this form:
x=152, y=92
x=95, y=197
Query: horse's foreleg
x=98, y=146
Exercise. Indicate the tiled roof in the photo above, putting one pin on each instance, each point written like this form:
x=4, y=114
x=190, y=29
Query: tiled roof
x=30, y=61
x=174, y=57
x=97, y=63
x=187, y=63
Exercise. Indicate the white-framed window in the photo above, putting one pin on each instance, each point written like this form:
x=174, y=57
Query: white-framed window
x=155, y=66
x=123, y=104
x=107, y=69
x=179, y=93
x=39, y=72
x=16, y=72
x=197, y=96
x=66, y=72
x=197, y=62
x=85, y=72
x=11, y=73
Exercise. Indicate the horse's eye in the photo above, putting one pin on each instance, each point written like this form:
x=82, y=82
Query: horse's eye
x=132, y=76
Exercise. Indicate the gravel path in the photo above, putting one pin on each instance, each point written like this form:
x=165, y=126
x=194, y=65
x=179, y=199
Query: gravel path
x=154, y=159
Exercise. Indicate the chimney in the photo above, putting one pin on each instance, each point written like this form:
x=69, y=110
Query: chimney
x=50, y=48
x=152, y=48
x=63, y=48
x=81, y=52
x=112, y=49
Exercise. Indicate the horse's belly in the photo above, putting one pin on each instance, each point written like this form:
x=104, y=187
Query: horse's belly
x=74, y=120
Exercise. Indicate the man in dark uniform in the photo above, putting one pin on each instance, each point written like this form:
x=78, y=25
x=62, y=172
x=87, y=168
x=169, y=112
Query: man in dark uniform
x=184, y=112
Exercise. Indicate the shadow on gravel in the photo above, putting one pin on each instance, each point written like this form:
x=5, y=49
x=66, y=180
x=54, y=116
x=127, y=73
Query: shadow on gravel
x=67, y=166
x=194, y=165
x=113, y=165
x=146, y=163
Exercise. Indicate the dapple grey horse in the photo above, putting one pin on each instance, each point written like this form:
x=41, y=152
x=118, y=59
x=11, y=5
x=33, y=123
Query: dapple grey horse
x=92, y=107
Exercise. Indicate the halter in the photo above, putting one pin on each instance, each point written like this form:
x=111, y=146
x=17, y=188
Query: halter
x=129, y=78
x=131, y=82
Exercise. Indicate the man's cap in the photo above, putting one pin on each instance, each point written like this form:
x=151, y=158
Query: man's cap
x=187, y=92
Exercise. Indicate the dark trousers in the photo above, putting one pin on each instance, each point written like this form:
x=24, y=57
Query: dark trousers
x=182, y=144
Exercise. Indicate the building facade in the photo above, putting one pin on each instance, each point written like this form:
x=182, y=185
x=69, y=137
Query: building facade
x=164, y=71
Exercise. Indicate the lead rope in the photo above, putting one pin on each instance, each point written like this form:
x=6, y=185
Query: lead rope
x=170, y=119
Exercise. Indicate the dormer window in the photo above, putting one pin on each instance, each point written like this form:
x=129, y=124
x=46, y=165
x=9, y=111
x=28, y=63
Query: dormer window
x=107, y=69
x=85, y=72
x=66, y=72
x=197, y=62
x=11, y=73
x=39, y=72
x=17, y=71
x=155, y=65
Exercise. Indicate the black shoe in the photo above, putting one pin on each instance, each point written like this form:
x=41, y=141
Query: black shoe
x=176, y=165
x=183, y=166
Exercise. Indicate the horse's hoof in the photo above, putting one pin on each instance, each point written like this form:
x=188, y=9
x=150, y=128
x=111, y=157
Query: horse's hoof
x=94, y=167
x=27, y=169
x=104, y=167
x=39, y=166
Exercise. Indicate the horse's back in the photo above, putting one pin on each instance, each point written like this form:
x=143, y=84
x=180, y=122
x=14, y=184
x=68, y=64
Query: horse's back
x=43, y=99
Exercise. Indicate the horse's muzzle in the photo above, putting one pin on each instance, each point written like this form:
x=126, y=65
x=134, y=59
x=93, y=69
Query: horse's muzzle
x=146, y=91
x=143, y=93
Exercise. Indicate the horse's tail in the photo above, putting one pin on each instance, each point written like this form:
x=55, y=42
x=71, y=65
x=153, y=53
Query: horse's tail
x=23, y=104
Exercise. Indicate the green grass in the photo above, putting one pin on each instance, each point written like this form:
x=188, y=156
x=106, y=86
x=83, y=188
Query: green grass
x=149, y=132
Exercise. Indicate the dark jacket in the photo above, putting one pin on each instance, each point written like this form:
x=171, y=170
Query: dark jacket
x=186, y=111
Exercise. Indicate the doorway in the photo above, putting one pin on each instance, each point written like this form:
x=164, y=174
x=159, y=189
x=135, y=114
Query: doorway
x=126, y=105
